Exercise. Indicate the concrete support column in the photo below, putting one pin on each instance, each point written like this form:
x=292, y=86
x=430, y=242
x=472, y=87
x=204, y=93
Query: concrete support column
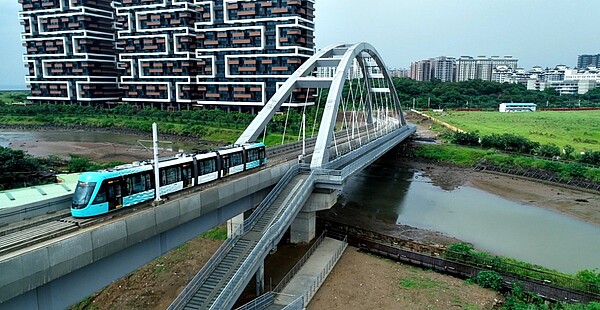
x=260, y=279
x=303, y=227
x=233, y=224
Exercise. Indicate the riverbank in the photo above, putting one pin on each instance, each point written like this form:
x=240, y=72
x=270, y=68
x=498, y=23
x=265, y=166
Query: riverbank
x=382, y=283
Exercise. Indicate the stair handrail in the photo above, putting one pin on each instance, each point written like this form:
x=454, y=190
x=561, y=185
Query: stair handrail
x=194, y=284
x=265, y=244
x=263, y=206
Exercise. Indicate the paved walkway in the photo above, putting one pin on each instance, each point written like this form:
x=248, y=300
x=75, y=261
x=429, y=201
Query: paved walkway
x=314, y=272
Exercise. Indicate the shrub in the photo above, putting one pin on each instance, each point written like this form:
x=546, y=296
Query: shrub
x=489, y=279
x=465, y=138
x=548, y=150
x=590, y=158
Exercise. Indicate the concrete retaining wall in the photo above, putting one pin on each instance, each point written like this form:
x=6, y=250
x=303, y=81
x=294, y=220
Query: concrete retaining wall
x=31, y=268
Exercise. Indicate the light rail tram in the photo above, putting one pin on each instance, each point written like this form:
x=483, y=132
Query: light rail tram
x=107, y=190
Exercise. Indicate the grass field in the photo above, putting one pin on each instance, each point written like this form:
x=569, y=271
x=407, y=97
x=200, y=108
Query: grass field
x=580, y=129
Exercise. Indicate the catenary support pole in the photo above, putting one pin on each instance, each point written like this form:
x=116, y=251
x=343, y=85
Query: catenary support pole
x=156, y=172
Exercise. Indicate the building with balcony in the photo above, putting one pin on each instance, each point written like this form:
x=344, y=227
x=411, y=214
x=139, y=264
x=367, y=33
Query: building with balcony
x=481, y=67
x=70, y=51
x=172, y=54
x=586, y=61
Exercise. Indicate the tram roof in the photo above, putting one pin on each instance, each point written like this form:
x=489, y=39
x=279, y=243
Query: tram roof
x=27, y=195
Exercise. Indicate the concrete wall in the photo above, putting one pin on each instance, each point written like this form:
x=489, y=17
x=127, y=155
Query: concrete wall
x=17, y=214
x=56, y=273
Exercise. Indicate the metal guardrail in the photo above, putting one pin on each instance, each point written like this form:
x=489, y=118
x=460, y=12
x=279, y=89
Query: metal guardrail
x=266, y=243
x=297, y=304
x=264, y=205
x=259, y=303
x=314, y=287
x=545, y=286
x=290, y=275
x=204, y=273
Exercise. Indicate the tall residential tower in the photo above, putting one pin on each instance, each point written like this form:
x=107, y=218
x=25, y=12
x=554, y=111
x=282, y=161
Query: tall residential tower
x=70, y=50
x=166, y=53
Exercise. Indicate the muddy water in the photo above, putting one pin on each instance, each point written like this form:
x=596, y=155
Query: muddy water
x=388, y=192
x=15, y=137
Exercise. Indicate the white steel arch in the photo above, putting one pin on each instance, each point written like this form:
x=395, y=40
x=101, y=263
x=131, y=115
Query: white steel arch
x=340, y=56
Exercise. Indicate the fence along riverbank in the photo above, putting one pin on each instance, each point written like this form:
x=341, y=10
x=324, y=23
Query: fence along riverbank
x=544, y=285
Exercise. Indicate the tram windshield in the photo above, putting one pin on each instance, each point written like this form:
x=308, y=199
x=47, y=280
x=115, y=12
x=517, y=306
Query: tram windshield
x=82, y=195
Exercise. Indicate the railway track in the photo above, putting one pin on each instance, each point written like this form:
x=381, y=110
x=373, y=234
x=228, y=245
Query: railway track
x=27, y=233
x=30, y=232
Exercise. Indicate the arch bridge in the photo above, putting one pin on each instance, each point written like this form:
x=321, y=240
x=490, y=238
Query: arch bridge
x=359, y=118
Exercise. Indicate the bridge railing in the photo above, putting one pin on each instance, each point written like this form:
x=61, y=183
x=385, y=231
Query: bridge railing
x=290, y=275
x=200, y=277
x=297, y=304
x=266, y=243
x=261, y=302
x=262, y=207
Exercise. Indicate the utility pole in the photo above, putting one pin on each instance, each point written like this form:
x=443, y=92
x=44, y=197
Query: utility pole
x=156, y=172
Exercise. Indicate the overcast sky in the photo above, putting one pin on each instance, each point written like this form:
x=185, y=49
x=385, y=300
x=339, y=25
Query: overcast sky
x=537, y=32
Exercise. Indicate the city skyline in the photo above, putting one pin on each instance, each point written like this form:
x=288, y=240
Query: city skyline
x=533, y=31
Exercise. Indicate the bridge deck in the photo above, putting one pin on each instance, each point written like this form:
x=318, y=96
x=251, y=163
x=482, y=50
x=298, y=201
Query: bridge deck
x=215, y=277
x=208, y=289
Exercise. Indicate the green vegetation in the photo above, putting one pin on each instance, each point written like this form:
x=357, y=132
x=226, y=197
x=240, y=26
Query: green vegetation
x=419, y=283
x=19, y=169
x=585, y=281
x=217, y=233
x=13, y=96
x=485, y=95
x=467, y=157
x=489, y=279
x=578, y=129
x=209, y=125
x=517, y=299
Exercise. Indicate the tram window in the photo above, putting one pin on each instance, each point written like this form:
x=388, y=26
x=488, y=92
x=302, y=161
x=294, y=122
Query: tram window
x=170, y=175
x=138, y=183
x=236, y=159
x=207, y=166
x=252, y=155
x=101, y=196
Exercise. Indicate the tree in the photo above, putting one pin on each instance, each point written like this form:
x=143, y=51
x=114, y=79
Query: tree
x=16, y=168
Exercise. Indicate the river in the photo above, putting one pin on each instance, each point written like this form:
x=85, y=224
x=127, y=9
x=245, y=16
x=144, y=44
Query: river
x=390, y=191
x=392, y=194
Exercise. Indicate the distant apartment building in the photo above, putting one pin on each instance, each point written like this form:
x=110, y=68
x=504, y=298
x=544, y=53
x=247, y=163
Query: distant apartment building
x=585, y=61
x=441, y=68
x=420, y=70
x=481, y=67
x=504, y=74
x=399, y=73
x=169, y=53
x=564, y=80
x=70, y=51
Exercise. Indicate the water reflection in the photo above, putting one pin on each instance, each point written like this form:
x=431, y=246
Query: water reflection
x=387, y=192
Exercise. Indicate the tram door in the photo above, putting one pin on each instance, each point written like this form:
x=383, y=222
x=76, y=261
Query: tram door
x=186, y=175
x=114, y=194
x=225, y=164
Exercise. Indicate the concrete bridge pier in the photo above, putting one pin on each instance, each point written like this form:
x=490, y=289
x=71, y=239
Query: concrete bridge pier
x=233, y=224
x=303, y=228
x=260, y=279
